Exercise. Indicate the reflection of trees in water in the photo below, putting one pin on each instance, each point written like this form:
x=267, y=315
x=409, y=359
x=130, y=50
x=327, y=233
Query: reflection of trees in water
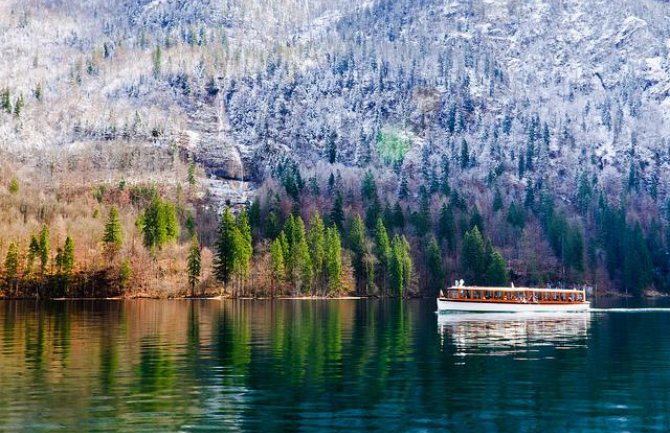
x=299, y=365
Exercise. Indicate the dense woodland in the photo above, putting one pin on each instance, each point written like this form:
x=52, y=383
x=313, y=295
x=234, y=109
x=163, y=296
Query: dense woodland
x=389, y=147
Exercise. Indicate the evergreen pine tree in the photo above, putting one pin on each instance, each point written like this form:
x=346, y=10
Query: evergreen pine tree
x=584, y=193
x=125, y=273
x=444, y=184
x=13, y=185
x=496, y=274
x=38, y=92
x=403, y=189
x=465, y=154
x=191, y=177
x=473, y=257
x=33, y=252
x=383, y=251
x=18, y=105
x=529, y=201
x=44, y=248
x=189, y=223
x=255, y=214
x=194, y=264
x=243, y=247
x=446, y=229
x=272, y=226
x=298, y=259
x=157, y=61
x=113, y=236
x=497, y=201
x=67, y=263
x=5, y=101
x=153, y=223
x=476, y=219
x=225, y=248
x=332, y=148
x=337, y=213
x=408, y=267
x=358, y=250
x=171, y=222
x=434, y=266
x=278, y=273
x=316, y=239
x=368, y=187
x=333, y=263
x=516, y=216
x=400, y=269
x=12, y=261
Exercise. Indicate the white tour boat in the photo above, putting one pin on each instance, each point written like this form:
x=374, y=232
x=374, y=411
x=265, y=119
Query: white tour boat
x=511, y=299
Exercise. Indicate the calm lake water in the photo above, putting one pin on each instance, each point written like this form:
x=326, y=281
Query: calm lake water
x=131, y=366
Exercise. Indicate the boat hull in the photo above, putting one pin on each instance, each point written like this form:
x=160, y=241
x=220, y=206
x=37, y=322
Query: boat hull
x=447, y=305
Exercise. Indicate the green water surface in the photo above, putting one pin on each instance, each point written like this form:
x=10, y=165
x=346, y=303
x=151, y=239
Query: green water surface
x=321, y=366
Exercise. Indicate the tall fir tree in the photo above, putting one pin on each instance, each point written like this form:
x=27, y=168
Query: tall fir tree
x=496, y=274
x=383, y=252
x=194, y=264
x=316, y=239
x=446, y=229
x=333, y=263
x=337, y=213
x=44, y=248
x=243, y=241
x=473, y=257
x=33, y=252
x=357, y=247
x=434, y=266
x=12, y=261
x=224, y=259
x=68, y=257
x=278, y=269
x=113, y=235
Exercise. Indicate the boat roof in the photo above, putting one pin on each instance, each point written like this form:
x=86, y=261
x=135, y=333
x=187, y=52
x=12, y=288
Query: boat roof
x=516, y=289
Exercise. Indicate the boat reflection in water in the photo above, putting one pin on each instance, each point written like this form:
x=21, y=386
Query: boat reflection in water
x=524, y=335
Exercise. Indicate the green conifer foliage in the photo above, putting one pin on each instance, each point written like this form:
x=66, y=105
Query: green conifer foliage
x=33, y=252
x=44, y=248
x=67, y=263
x=446, y=229
x=383, y=252
x=358, y=250
x=224, y=259
x=277, y=264
x=337, y=213
x=316, y=240
x=473, y=257
x=496, y=274
x=400, y=269
x=435, y=266
x=113, y=236
x=14, y=185
x=333, y=264
x=194, y=264
x=12, y=261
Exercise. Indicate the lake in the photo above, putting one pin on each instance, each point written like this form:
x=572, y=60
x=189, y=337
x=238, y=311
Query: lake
x=345, y=365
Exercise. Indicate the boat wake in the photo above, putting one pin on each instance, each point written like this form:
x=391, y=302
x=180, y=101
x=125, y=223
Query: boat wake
x=630, y=310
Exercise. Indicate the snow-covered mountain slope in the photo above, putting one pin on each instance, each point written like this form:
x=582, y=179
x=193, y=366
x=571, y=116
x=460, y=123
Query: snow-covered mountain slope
x=573, y=86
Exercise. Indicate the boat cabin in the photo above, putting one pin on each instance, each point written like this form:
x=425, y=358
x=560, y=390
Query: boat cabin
x=519, y=295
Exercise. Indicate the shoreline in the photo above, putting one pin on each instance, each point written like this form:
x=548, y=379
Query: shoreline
x=212, y=298
x=609, y=295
